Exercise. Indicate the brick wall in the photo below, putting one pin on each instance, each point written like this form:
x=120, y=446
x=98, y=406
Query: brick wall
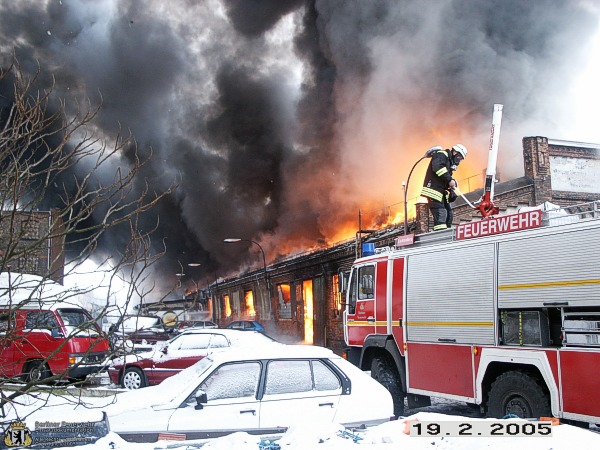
x=32, y=242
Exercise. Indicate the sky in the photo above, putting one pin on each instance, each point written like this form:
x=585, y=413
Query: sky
x=280, y=120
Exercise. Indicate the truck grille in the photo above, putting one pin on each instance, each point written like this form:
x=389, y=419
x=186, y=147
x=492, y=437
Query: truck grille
x=94, y=358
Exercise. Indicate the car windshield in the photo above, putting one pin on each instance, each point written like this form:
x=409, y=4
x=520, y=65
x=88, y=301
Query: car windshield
x=76, y=321
x=167, y=391
x=173, y=386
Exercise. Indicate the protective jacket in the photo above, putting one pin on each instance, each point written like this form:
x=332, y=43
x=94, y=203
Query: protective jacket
x=439, y=174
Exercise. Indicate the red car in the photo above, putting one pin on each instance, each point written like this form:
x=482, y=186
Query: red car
x=150, y=368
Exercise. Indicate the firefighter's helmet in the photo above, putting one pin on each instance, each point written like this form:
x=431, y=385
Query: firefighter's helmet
x=460, y=149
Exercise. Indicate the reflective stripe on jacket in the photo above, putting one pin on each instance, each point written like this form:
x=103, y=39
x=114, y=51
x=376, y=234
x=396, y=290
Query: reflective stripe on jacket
x=438, y=175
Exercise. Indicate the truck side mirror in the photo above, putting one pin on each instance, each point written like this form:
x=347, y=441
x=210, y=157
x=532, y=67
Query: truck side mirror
x=342, y=282
x=201, y=399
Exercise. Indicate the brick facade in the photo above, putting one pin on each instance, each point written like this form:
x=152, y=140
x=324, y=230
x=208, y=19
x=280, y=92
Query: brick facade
x=33, y=243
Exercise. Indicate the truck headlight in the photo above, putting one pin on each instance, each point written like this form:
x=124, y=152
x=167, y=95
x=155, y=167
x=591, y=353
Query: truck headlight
x=75, y=359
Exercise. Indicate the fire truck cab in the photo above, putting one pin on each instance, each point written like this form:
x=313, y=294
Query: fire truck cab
x=503, y=313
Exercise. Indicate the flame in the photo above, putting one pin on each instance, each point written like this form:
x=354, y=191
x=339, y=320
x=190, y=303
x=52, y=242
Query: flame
x=307, y=294
x=285, y=292
x=249, y=299
x=227, y=306
x=337, y=295
x=372, y=195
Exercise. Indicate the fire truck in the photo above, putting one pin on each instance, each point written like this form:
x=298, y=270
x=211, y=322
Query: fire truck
x=503, y=313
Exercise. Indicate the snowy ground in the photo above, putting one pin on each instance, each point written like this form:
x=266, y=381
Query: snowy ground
x=389, y=436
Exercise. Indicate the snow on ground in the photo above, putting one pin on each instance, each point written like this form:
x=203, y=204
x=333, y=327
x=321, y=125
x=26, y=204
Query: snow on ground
x=389, y=436
x=319, y=436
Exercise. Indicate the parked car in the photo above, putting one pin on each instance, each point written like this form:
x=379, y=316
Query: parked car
x=194, y=324
x=246, y=325
x=263, y=389
x=139, y=370
x=49, y=333
x=136, y=334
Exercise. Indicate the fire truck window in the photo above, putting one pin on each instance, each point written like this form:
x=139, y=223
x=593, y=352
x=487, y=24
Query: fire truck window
x=352, y=296
x=366, y=276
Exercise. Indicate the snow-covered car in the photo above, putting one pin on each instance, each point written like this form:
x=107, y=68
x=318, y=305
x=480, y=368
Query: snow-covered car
x=263, y=389
x=139, y=370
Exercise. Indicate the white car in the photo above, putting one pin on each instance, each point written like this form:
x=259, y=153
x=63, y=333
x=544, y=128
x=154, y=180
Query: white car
x=259, y=390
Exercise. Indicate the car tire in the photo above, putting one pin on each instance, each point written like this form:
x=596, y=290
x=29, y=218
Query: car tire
x=384, y=371
x=516, y=393
x=36, y=370
x=133, y=378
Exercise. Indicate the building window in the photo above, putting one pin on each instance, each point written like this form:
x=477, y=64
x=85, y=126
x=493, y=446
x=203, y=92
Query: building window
x=235, y=303
x=249, y=310
x=28, y=264
x=227, y=309
x=29, y=228
x=337, y=295
x=284, y=294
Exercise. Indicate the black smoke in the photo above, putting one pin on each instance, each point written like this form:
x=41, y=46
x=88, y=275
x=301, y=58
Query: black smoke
x=279, y=119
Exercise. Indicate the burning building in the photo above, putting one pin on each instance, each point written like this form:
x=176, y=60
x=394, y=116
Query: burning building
x=297, y=298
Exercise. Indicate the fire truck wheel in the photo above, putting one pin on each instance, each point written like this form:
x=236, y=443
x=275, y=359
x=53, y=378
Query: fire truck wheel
x=519, y=394
x=384, y=371
x=133, y=378
x=36, y=370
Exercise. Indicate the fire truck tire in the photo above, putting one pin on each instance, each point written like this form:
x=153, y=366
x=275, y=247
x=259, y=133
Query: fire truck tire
x=36, y=370
x=519, y=394
x=133, y=378
x=384, y=371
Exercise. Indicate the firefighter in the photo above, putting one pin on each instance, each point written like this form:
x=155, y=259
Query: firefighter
x=439, y=185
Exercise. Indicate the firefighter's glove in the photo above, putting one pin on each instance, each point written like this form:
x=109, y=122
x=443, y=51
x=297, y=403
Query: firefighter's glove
x=452, y=196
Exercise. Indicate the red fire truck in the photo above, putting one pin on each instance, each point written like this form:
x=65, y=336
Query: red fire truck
x=503, y=313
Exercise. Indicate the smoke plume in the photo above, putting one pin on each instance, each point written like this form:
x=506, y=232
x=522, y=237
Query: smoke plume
x=281, y=119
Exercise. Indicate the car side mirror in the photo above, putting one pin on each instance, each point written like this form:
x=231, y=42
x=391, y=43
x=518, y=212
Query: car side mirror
x=55, y=333
x=165, y=349
x=201, y=399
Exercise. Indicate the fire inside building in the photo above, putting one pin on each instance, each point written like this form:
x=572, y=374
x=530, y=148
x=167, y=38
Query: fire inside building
x=298, y=299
